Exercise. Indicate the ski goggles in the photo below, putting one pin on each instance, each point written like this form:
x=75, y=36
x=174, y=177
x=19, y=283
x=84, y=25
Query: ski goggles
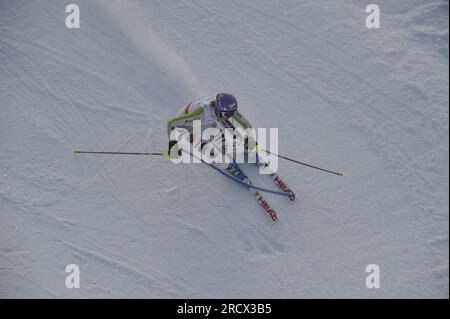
x=228, y=110
x=228, y=114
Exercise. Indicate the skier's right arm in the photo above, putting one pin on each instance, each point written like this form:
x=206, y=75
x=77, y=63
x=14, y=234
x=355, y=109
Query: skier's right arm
x=182, y=121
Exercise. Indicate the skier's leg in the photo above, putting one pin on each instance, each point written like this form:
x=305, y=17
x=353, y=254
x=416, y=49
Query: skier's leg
x=236, y=171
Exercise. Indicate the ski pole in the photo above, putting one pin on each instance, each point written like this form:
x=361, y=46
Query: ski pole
x=77, y=152
x=257, y=148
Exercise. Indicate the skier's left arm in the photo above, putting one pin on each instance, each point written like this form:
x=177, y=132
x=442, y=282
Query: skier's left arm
x=239, y=118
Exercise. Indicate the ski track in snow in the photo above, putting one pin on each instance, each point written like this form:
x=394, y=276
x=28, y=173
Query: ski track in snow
x=372, y=103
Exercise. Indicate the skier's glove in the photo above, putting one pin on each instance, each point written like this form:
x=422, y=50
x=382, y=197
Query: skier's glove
x=171, y=144
x=246, y=143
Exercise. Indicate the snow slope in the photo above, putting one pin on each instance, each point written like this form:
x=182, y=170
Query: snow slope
x=371, y=103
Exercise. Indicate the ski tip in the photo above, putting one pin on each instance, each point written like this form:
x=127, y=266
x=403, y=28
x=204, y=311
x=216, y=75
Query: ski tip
x=76, y=152
x=339, y=174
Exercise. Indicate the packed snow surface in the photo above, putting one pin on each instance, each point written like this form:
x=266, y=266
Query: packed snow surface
x=372, y=103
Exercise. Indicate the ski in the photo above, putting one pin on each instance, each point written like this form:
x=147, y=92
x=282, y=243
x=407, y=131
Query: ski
x=275, y=177
x=284, y=188
x=262, y=202
x=273, y=215
x=281, y=184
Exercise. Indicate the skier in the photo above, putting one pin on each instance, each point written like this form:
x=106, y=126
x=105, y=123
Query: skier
x=220, y=112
